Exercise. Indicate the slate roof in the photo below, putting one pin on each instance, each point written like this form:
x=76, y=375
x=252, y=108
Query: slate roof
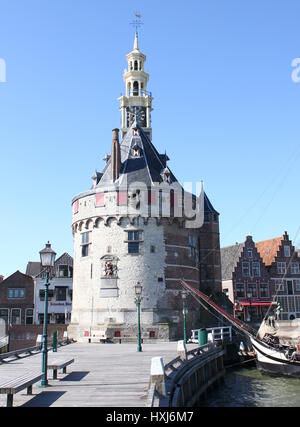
x=268, y=249
x=33, y=268
x=147, y=168
x=229, y=258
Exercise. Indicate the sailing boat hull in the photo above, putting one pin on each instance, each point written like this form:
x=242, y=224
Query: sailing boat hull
x=274, y=361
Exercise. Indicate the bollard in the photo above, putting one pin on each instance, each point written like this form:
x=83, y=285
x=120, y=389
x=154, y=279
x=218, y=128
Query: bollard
x=157, y=375
x=202, y=337
x=181, y=350
x=54, y=341
x=39, y=340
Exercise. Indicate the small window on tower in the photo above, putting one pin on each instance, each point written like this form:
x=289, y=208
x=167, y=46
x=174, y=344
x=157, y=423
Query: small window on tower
x=135, y=89
x=135, y=65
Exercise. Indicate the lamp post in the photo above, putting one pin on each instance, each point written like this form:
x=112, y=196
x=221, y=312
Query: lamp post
x=47, y=261
x=184, y=296
x=138, y=299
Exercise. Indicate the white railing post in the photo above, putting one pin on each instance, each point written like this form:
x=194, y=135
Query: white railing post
x=157, y=375
x=181, y=350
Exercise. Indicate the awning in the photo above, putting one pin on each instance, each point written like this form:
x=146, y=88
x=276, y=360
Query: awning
x=256, y=304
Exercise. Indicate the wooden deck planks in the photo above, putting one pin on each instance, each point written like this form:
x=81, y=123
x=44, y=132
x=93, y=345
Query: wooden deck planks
x=109, y=375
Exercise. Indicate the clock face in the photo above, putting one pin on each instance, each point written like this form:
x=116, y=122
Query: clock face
x=138, y=114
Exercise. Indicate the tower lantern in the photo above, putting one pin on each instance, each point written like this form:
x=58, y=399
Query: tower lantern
x=137, y=102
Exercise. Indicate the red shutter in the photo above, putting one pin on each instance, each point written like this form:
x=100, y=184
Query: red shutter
x=75, y=206
x=100, y=199
x=122, y=198
x=152, y=197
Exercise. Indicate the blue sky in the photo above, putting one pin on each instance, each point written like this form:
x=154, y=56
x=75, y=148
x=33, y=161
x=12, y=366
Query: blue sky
x=225, y=109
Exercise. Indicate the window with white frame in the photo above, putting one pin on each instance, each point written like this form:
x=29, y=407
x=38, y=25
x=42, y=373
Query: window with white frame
x=4, y=314
x=297, y=285
x=240, y=290
x=250, y=254
x=256, y=269
x=133, y=240
x=15, y=316
x=246, y=269
x=283, y=303
x=279, y=285
x=85, y=244
x=287, y=251
x=29, y=316
x=264, y=290
x=281, y=267
x=252, y=290
x=295, y=268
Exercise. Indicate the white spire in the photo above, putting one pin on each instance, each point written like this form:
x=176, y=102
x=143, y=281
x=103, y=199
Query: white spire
x=136, y=42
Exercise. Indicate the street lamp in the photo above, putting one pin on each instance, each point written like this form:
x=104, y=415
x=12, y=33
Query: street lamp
x=138, y=299
x=184, y=296
x=47, y=261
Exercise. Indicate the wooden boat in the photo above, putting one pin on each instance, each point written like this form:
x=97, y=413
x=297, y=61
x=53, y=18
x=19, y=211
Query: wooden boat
x=271, y=356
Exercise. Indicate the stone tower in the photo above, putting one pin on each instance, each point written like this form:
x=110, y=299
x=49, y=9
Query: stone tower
x=136, y=224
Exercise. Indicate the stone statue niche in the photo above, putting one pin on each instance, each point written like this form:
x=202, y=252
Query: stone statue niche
x=109, y=267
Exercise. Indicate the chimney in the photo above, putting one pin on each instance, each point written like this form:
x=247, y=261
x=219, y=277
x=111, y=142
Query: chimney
x=115, y=155
x=1, y=278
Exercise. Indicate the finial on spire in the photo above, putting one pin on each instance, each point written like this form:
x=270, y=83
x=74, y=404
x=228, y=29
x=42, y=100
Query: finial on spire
x=137, y=23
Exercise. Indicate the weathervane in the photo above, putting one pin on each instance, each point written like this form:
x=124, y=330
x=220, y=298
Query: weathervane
x=137, y=23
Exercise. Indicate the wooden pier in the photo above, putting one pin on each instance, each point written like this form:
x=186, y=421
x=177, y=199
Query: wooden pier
x=109, y=375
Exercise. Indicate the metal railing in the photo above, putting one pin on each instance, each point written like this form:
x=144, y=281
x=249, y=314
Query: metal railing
x=223, y=333
x=177, y=369
x=30, y=351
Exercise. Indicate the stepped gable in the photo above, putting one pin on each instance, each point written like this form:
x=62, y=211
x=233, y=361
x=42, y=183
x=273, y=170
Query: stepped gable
x=268, y=249
x=229, y=259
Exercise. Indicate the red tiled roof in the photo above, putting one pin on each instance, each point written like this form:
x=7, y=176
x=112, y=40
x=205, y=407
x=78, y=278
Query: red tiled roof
x=268, y=249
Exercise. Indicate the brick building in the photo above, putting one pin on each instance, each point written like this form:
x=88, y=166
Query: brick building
x=59, y=293
x=255, y=274
x=17, y=299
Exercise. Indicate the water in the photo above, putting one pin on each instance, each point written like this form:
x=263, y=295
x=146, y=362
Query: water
x=250, y=388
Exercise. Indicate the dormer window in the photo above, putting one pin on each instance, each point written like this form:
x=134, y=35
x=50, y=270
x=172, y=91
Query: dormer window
x=136, y=151
x=166, y=175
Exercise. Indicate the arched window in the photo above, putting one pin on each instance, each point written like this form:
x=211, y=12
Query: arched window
x=135, y=89
x=131, y=67
x=136, y=65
